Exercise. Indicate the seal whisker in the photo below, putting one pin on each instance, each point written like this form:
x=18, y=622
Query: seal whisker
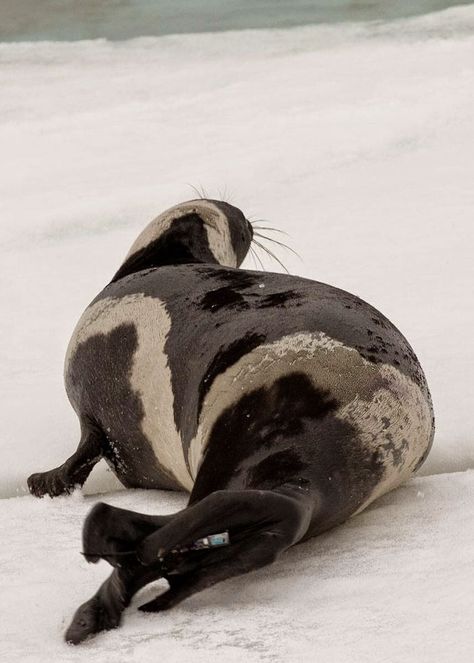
x=270, y=253
x=257, y=260
x=196, y=190
x=267, y=227
x=285, y=246
x=252, y=253
x=262, y=266
x=275, y=230
x=227, y=195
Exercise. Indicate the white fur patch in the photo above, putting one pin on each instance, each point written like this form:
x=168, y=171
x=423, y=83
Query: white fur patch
x=151, y=375
x=398, y=412
x=218, y=236
x=401, y=413
x=309, y=353
x=216, y=224
x=343, y=372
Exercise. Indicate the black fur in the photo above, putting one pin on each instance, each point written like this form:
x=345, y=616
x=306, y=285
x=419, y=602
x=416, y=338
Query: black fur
x=96, y=395
x=212, y=309
x=224, y=358
x=183, y=243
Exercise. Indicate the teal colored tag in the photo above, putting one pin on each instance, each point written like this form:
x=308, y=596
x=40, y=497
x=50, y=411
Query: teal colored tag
x=221, y=539
x=212, y=541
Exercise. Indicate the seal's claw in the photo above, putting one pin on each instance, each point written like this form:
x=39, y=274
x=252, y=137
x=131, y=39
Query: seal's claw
x=91, y=618
x=48, y=483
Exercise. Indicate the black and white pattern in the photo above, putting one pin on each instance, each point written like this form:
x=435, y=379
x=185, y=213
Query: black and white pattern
x=283, y=405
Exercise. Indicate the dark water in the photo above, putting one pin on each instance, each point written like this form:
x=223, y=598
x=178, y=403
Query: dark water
x=28, y=20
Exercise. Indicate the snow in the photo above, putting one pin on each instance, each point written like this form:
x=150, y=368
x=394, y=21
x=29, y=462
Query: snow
x=391, y=585
x=356, y=140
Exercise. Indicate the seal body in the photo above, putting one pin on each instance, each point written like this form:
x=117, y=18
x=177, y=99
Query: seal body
x=283, y=405
x=204, y=378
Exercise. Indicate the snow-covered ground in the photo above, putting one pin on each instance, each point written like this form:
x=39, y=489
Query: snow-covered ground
x=393, y=585
x=358, y=141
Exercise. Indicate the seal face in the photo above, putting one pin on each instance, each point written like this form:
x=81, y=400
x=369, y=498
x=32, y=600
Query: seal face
x=282, y=404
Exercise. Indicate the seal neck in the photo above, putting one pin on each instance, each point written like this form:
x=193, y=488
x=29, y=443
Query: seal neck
x=184, y=241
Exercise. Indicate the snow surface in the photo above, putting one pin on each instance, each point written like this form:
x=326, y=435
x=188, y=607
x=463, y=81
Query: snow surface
x=355, y=139
x=392, y=585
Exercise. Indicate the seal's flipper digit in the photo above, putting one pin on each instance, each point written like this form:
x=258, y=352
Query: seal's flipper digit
x=92, y=617
x=164, y=601
x=104, y=610
x=50, y=483
x=100, y=613
x=109, y=532
x=180, y=587
x=75, y=470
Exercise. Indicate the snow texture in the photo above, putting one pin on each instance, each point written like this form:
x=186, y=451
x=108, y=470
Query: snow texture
x=392, y=585
x=355, y=139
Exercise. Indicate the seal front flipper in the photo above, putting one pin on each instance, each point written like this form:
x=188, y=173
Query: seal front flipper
x=75, y=470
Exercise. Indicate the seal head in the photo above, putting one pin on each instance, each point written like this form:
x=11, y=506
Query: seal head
x=196, y=231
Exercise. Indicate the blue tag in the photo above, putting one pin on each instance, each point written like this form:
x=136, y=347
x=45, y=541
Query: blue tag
x=221, y=539
x=212, y=541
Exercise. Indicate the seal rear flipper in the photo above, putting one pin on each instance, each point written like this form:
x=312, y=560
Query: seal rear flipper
x=249, y=555
x=75, y=470
x=260, y=525
x=243, y=513
x=113, y=534
x=107, y=533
